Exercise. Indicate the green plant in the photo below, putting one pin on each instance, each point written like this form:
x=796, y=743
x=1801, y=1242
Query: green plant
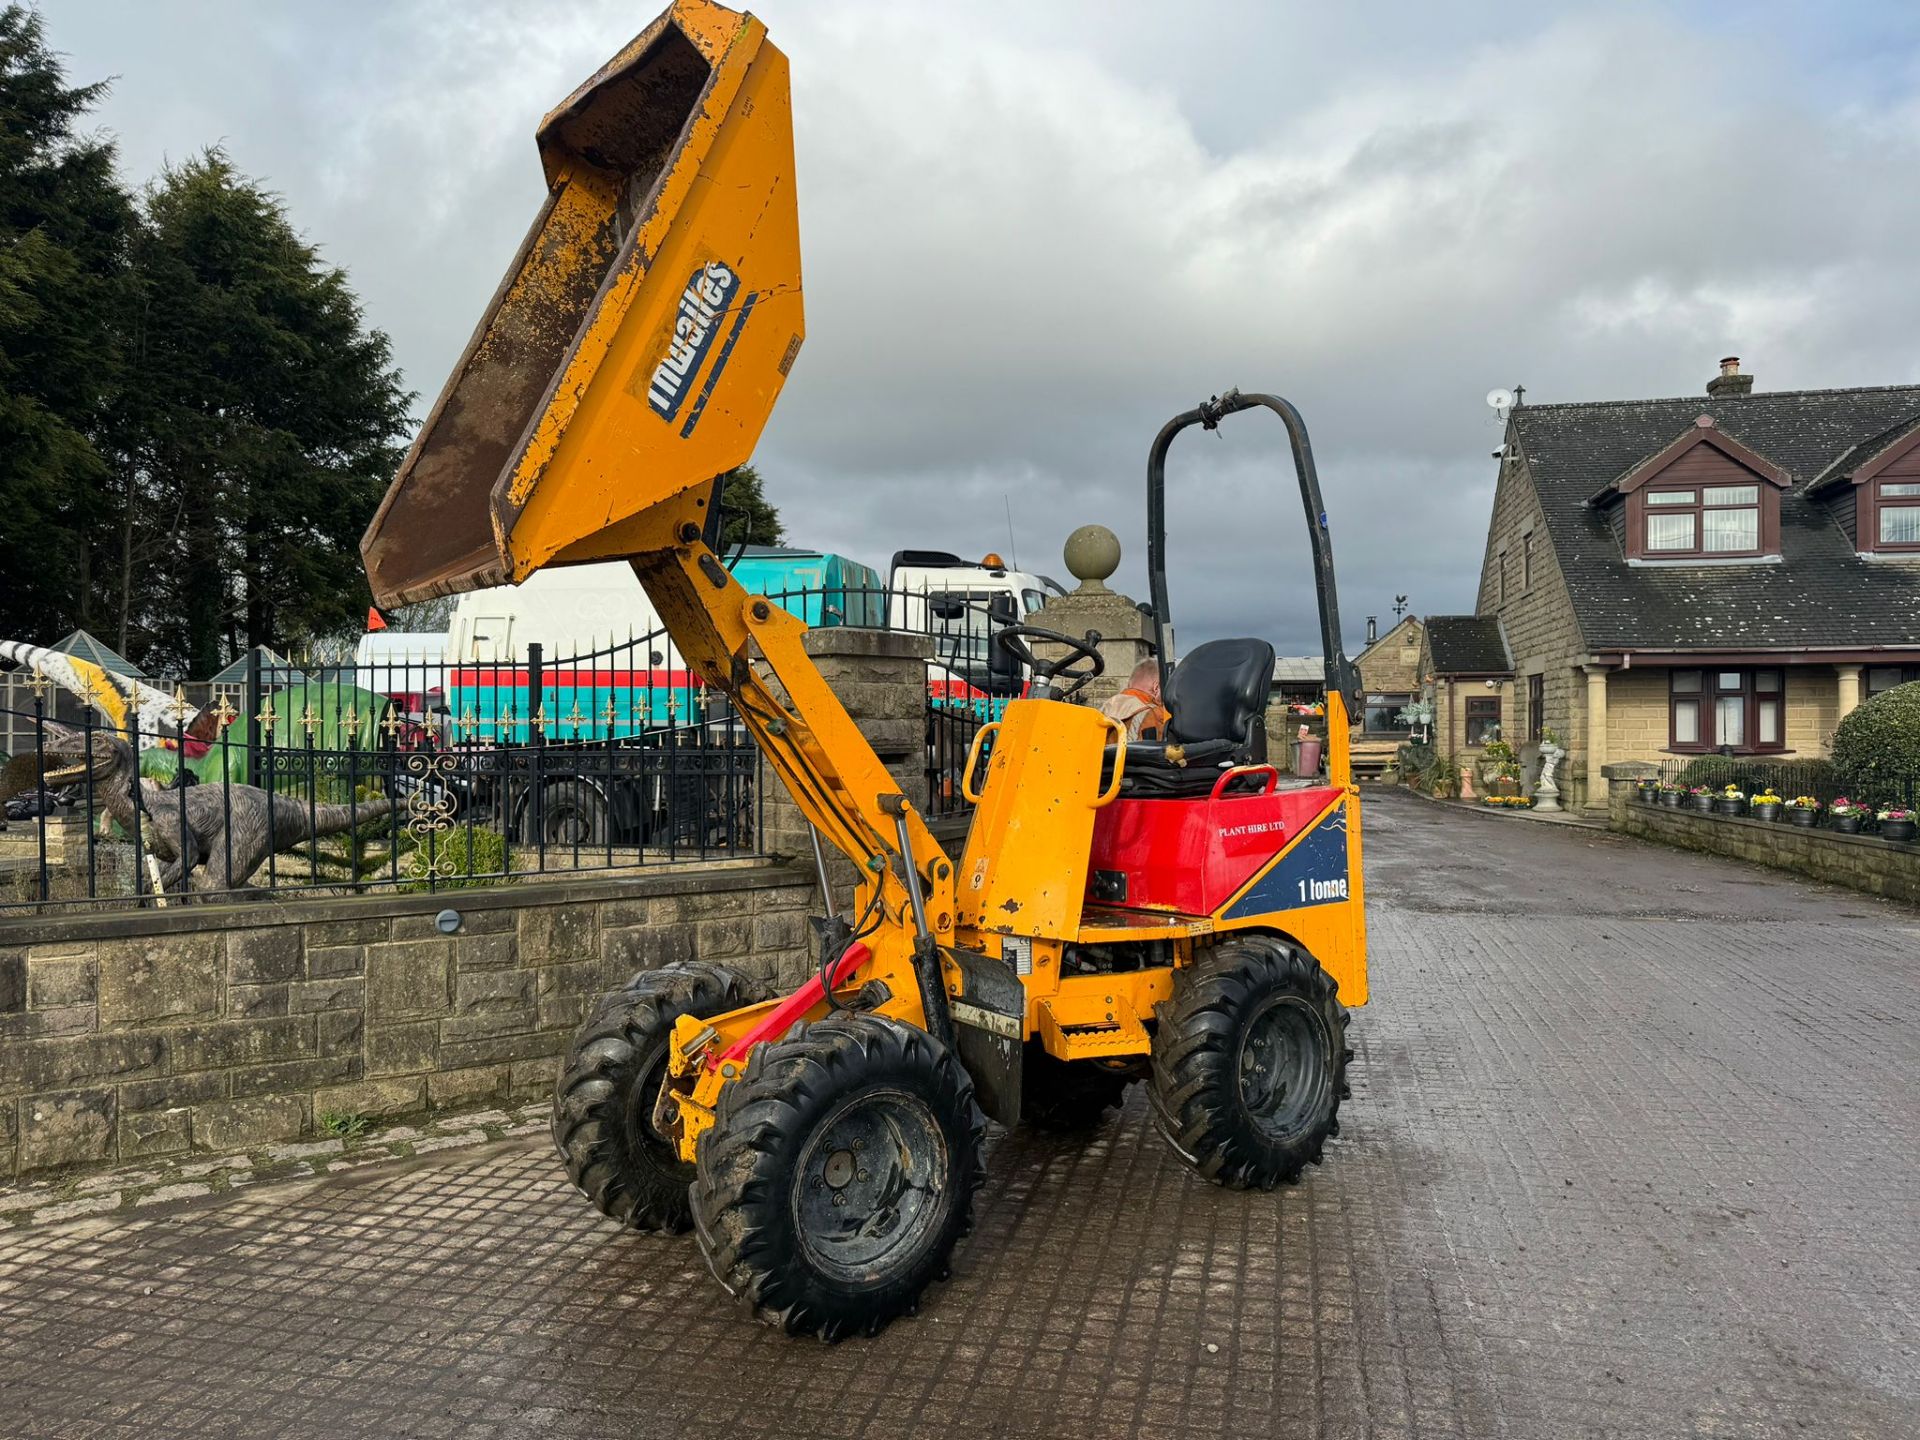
x=1443, y=777
x=1412, y=761
x=1802, y=777
x=345, y=1124
x=456, y=859
x=1876, y=749
x=1502, y=757
x=1551, y=736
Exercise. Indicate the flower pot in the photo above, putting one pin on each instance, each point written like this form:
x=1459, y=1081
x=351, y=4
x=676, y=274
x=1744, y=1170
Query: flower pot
x=1724, y=806
x=1671, y=797
x=1897, y=829
x=1847, y=824
x=1802, y=816
x=1702, y=803
x=1765, y=812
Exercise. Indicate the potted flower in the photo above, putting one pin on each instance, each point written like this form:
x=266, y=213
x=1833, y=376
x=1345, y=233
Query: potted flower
x=1647, y=791
x=1897, y=823
x=1671, y=794
x=1500, y=767
x=1508, y=802
x=1845, y=815
x=1765, y=805
x=1803, y=810
x=1700, y=798
x=1729, y=800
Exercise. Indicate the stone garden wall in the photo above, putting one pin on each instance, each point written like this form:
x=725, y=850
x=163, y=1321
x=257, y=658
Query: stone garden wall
x=1862, y=862
x=125, y=1036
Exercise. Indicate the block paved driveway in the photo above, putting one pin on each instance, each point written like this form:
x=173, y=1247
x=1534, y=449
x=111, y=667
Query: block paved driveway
x=1633, y=1149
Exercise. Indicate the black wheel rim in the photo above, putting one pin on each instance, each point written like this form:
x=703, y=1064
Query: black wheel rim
x=871, y=1187
x=1283, y=1073
x=570, y=823
x=642, y=1138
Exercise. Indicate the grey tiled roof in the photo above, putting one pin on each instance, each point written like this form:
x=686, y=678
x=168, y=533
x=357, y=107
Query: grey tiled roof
x=83, y=646
x=1467, y=645
x=1819, y=595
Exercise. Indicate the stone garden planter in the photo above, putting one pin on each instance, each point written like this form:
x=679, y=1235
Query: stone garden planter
x=1723, y=806
x=1901, y=830
x=1800, y=815
x=1847, y=824
x=1702, y=803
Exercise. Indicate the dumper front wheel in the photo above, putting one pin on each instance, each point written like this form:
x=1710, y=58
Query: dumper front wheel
x=1249, y=1062
x=839, y=1175
x=604, y=1099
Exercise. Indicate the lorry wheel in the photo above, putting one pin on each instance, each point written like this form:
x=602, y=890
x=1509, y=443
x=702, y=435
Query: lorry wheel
x=1068, y=1095
x=1249, y=1062
x=603, y=1101
x=839, y=1175
x=566, y=813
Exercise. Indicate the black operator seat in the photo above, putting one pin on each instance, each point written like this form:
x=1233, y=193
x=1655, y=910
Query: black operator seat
x=1217, y=701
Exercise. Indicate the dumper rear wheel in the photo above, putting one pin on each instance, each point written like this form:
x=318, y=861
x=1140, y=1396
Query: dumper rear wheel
x=1249, y=1062
x=839, y=1175
x=603, y=1101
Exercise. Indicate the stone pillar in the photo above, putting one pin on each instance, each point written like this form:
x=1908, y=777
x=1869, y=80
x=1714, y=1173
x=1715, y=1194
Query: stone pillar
x=1621, y=779
x=881, y=678
x=1596, y=737
x=1126, y=633
x=1849, y=690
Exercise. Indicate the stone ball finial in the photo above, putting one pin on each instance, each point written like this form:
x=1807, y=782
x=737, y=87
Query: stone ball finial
x=1092, y=554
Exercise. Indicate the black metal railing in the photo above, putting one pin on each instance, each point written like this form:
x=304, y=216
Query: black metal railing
x=408, y=764
x=104, y=817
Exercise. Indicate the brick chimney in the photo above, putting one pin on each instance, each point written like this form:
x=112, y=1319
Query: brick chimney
x=1730, y=381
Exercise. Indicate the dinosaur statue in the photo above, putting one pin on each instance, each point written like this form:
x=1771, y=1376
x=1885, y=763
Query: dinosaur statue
x=228, y=830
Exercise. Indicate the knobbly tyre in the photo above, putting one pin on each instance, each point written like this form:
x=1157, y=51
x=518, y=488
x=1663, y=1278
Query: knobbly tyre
x=1121, y=912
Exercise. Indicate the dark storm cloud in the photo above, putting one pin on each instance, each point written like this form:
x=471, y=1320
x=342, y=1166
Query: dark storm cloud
x=1032, y=233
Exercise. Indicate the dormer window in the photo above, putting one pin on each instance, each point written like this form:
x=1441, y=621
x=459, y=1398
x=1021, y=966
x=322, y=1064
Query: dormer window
x=1897, y=506
x=1709, y=520
x=1873, y=491
x=1705, y=497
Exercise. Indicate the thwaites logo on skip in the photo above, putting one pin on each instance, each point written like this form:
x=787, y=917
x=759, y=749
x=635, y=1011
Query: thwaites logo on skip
x=703, y=305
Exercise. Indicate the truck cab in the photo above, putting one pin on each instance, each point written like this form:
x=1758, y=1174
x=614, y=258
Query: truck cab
x=963, y=604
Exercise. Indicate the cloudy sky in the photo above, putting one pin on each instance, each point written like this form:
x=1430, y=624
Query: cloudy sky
x=1032, y=232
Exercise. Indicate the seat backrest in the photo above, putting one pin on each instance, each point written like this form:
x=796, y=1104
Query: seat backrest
x=1219, y=692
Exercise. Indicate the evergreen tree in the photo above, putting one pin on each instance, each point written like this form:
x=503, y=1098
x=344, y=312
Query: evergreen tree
x=64, y=226
x=747, y=516
x=262, y=422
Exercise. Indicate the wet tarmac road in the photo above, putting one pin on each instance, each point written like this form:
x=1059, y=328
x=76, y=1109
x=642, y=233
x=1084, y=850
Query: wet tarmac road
x=1631, y=1151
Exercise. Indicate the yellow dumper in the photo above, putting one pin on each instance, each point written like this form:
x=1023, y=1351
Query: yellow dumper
x=1167, y=911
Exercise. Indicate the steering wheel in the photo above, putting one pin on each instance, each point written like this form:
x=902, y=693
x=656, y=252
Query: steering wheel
x=1081, y=663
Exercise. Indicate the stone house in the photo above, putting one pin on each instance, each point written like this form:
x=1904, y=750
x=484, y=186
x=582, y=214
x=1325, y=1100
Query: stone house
x=1389, y=670
x=1684, y=576
x=1466, y=673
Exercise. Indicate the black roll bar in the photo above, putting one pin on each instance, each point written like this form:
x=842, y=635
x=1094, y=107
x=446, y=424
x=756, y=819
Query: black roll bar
x=1340, y=674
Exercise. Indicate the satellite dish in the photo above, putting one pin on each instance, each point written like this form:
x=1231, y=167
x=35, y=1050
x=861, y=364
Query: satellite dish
x=1499, y=399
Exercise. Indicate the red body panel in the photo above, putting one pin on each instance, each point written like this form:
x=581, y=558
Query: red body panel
x=1193, y=855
